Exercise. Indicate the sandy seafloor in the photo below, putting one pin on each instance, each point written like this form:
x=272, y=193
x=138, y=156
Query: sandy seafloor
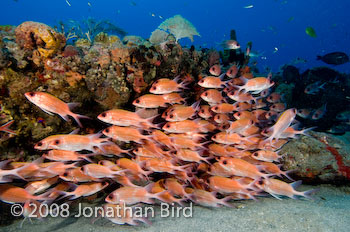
x=330, y=212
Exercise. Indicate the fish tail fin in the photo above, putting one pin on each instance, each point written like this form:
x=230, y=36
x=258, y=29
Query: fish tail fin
x=6, y=126
x=307, y=194
x=77, y=118
x=225, y=201
x=285, y=173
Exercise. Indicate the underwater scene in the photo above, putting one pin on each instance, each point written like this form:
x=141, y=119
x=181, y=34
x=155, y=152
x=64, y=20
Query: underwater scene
x=180, y=115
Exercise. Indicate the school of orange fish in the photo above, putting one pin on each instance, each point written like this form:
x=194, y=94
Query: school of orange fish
x=222, y=147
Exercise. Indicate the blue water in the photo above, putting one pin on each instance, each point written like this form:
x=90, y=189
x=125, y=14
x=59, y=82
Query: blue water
x=276, y=27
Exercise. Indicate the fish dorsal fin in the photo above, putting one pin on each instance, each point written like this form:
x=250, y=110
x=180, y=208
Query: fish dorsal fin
x=74, y=132
x=73, y=105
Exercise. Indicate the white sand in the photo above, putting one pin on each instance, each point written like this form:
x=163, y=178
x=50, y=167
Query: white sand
x=329, y=213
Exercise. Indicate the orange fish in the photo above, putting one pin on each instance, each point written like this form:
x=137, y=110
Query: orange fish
x=189, y=155
x=208, y=199
x=274, y=98
x=99, y=171
x=223, y=108
x=278, y=107
x=185, y=126
x=13, y=194
x=240, y=96
x=84, y=190
x=76, y=175
x=132, y=166
x=150, y=101
x=221, y=118
x=39, y=186
x=212, y=96
x=125, y=134
x=121, y=117
x=211, y=82
x=62, y=155
x=51, y=104
x=182, y=113
x=165, y=86
x=162, y=165
x=131, y=195
x=228, y=138
x=205, y=112
x=173, y=98
x=239, y=125
x=232, y=71
x=215, y=70
x=240, y=167
x=226, y=185
x=283, y=122
x=256, y=85
x=266, y=155
x=72, y=142
x=277, y=187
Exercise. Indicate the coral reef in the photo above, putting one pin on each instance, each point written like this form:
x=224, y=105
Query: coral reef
x=101, y=73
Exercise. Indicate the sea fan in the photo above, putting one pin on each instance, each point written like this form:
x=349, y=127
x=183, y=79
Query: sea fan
x=179, y=27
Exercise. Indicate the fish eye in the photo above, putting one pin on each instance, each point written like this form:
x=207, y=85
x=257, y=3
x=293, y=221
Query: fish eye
x=224, y=162
x=261, y=182
x=57, y=142
x=137, y=149
x=65, y=174
x=154, y=88
x=238, y=114
x=82, y=169
x=32, y=94
x=209, y=169
x=237, y=104
x=206, y=94
x=218, y=117
x=255, y=154
x=171, y=116
x=137, y=101
x=202, y=111
x=103, y=115
x=39, y=144
x=107, y=130
x=216, y=108
x=167, y=126
x=214, y=137
x=201, y=81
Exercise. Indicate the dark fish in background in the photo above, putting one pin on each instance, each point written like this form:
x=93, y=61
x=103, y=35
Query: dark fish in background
x=335, y=58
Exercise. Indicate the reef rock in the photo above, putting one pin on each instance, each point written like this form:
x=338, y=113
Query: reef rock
x=320, y=157
x=39, y=37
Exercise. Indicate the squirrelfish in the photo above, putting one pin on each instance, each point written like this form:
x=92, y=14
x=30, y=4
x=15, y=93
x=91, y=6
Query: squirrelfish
x=51, y=104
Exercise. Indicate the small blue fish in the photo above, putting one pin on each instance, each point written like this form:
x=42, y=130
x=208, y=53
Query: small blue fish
x=314, y=87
